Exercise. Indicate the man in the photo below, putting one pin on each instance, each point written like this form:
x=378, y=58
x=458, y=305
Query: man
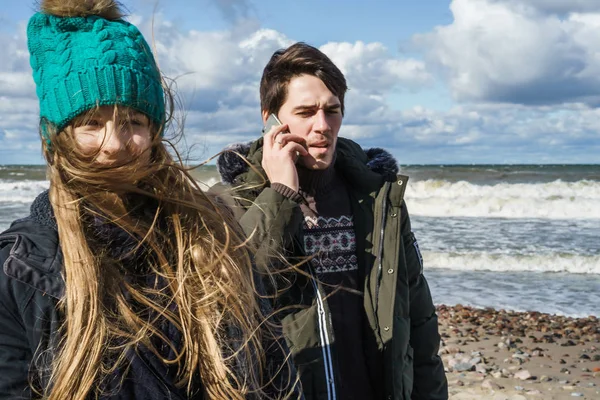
x=359, y=316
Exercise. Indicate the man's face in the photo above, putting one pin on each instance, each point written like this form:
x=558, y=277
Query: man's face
x=314, y=113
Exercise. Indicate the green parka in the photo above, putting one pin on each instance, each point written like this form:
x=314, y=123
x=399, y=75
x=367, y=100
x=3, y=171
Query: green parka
x=401, y=327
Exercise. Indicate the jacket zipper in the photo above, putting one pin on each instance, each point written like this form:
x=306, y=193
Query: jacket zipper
x=325, y=343
x=324, y=336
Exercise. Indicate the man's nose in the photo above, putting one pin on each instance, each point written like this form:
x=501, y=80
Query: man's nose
x=321, y=124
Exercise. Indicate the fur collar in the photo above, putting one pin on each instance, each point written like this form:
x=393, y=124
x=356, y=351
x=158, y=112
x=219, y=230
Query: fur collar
x=230, y=165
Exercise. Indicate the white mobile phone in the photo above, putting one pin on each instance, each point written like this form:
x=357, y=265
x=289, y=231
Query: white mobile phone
x=274, y=121
x=271, y=122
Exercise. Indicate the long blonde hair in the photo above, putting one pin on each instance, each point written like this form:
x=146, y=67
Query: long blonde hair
x=204, y=282
x=191, y=268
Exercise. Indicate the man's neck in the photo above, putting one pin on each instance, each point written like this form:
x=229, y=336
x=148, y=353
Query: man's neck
x=314, y=182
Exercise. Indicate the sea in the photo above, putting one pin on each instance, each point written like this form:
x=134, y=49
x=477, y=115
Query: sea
x=516, y=237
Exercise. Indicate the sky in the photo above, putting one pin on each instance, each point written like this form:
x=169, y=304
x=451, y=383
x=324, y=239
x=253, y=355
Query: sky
x=434, y=82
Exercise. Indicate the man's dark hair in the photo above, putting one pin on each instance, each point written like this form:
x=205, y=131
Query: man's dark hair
x=296, y=60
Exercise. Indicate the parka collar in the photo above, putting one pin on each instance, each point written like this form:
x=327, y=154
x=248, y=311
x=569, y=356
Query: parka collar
x=365, y=169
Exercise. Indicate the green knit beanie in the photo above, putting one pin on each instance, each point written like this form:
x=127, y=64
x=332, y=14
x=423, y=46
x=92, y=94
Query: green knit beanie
x=82, y=62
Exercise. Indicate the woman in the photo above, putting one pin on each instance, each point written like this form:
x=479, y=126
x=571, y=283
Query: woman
x=126, y=281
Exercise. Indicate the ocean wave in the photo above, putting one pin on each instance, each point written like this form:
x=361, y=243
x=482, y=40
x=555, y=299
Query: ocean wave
x=21, y=191
x=553, y=200
x=561, y=262
x=27, y=190
x=441, y=198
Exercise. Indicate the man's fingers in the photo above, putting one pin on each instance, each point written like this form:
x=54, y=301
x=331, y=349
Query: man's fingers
x=269, y=144
x=284, y=138
x=273, y=133
x=295, y=148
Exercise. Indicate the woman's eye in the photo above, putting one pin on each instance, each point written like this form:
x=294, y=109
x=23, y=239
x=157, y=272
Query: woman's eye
x=92, y=122
x=137, y=121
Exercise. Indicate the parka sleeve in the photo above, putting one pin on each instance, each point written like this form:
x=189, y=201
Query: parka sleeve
x=270, y=222
x=15, y=352
x=429, y=377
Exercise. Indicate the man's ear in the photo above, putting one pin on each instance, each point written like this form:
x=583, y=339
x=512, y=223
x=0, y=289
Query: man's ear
x=265, y=116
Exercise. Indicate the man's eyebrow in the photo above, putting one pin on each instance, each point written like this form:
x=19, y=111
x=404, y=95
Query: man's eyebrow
x=305, y=107
x=313, y=106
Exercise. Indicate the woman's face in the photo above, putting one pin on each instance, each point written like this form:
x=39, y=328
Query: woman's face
x=114, y=136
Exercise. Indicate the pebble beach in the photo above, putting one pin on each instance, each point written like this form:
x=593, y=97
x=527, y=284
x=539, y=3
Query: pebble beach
x=507, y=355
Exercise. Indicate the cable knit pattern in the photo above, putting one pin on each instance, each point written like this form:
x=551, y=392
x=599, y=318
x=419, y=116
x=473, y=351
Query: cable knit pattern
x=81, y=62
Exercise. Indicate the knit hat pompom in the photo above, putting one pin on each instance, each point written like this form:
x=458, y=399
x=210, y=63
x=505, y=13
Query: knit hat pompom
x=107, y=9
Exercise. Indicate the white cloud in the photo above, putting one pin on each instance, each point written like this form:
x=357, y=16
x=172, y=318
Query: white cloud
x=370, y=68
x=19, y=110
x=372, y=73
x=361, y=132
x=15, y=72
x=494, y=51
x=17, y=84
x=215, y=68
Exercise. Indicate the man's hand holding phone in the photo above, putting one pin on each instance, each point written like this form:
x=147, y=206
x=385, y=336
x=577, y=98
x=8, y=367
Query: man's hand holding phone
x=281, y=150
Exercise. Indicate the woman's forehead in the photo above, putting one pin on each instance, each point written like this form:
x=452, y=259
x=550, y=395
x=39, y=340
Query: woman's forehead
x=113, y=111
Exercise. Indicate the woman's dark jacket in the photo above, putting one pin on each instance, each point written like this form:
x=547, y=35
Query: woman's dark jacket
x=31, y=285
